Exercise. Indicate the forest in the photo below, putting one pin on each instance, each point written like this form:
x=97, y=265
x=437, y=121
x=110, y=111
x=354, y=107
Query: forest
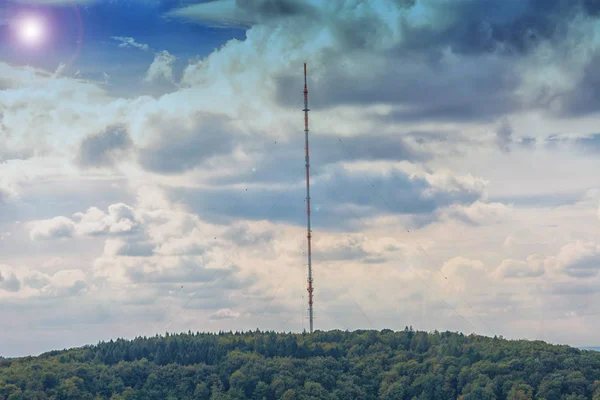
x=402, y=365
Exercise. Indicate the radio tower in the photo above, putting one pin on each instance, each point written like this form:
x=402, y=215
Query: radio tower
x=308, y=236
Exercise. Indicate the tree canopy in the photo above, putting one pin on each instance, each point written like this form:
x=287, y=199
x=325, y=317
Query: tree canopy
x=405, y=365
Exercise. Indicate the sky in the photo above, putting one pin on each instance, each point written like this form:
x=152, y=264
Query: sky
x=152, y=172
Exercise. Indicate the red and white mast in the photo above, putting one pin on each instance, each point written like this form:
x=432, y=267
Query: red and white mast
x=308, y=236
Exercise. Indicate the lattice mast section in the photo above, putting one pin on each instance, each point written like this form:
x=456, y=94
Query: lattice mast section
x=308, y=236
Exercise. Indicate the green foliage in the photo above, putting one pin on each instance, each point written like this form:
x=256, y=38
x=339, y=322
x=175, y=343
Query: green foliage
x=361, y=365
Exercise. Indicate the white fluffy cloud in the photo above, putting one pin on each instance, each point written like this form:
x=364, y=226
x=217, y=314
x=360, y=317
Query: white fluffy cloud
x=224, y=313
x=120, y=219
x=161, y=67
x=579, y=259
x=531, y=268
x=55, y=228
x=23, y=283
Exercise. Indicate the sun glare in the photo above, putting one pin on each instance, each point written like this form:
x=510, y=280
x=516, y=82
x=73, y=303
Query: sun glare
x=31, y=30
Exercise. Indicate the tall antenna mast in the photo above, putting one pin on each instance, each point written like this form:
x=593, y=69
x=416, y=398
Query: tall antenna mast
x=308, y=236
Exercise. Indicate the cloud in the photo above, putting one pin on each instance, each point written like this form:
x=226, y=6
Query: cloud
x=81, y=107
x=149, y=246
x=4, y=194
x=341, y=194
x=190, y=269
x=56, y=2
x=245, y=234
x=418, y=89
x=579, y=259
x=224, y=313
x=348, y=249
x=55, y=228
x=59, y=70
x=10, y=283
x=433, y=84
x=504, y=136
x=509, y=241
x=120, y=220
x=191, y=143
x=464, y=272
x=219, y=13
x=576, y=260
x=103, y=149
x=571, y=288
x=589, y=143
x=68, y=282
x=582, y=99
x=161, y=67
x=533, y=267
x=500, y=47
x=478, y=213
x=465, y=27
x=129, y=248
x=130, y=42
x=23, y=283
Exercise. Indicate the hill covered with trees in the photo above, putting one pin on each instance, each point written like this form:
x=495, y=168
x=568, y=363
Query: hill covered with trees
x=405, y=365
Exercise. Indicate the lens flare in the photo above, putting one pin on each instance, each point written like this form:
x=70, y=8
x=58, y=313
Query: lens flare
x=31, y=30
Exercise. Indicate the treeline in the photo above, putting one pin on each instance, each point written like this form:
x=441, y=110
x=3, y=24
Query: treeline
x=405, y=365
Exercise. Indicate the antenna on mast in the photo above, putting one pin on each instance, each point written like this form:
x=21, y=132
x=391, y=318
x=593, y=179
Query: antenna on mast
x=308, y=236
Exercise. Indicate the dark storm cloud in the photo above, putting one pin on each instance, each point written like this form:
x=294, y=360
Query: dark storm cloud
x=497, y=25
x=338, y=197
x=509, y=27
x=240, y=13
x=584, y=98
x=268, y=9
x=470, y=88
x=488, y=38
x=370, y=146
x=368, y=63
x=178, y=150
x=100, y=150
x=465, y=26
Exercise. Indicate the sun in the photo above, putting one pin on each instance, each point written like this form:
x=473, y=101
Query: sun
x=31, y=30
